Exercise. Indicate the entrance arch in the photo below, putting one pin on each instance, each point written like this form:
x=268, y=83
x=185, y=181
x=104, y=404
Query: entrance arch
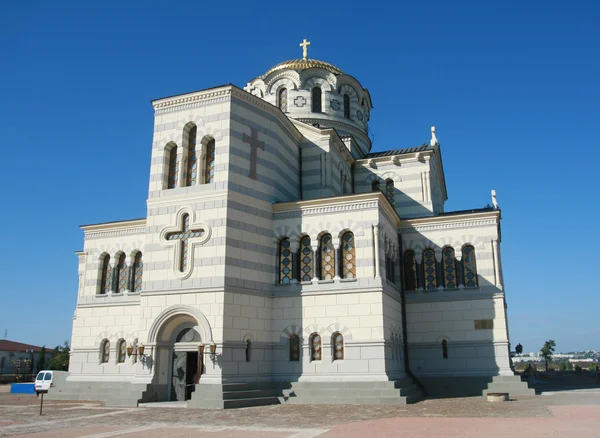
x=176, y=334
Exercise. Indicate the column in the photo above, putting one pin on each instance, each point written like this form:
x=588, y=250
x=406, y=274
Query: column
x=294, y=251
x=376, y=245
x=496, y=252
x=315, y=248
x=129, y=287
x=336, y=255
x=182, y=167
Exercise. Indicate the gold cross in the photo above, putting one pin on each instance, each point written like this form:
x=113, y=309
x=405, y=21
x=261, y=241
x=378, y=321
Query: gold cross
x=304, y=44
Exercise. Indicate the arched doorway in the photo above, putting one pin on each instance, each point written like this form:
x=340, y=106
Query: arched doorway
x=177, y=332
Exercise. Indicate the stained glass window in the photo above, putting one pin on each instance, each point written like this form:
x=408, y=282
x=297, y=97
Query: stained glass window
x=445, y=349
x=138, y=272
x=283, y=100
x=410, y=271
x=315, y=347
x=294, y=348
x=429, y=268
x=192, y=164
x=122, y=350
x=346, y=106
x=449, y=264
x=185, y=235
x=122, y=274
x=106, y=280
x=327, y=258
x=173, y=168
x=306, y=259
x=105, y=351
x=337, y=341
x=375, y=186
x=469, y=266
x=348, y=256
x=285, y=261
x=389, y=192
x=316, y=100
x=209, y=169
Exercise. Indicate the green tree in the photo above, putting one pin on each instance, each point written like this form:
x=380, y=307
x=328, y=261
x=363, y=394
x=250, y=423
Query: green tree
x=593, y=367
x=548, y=351
x=562, y=366
x=569, y=366
x=41, y=359
x=59, y=359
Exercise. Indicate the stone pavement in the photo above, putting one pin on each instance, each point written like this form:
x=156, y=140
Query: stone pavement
x=563, y=413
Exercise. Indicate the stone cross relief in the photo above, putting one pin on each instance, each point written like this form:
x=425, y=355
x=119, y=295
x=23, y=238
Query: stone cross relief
x=252, y=140
x=184, y=236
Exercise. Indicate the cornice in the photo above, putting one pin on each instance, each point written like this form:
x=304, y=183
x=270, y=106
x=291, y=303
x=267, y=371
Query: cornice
x=190, y=100
x=467, y=220
x=335, y=124
x=124, y=228
x=410, y=156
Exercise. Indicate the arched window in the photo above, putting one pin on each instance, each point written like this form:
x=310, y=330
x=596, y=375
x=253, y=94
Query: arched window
x=410, y=271
x=445, y=349
x=389, y=192
x=429, y=269
x=106, y=280
x=138, y=272
x=337, y=343
x=449, y=264
x=105, y=351
x=285, y=261
x=283, y=100
x=469, y=266
x=348, y=256
x=122, y=348
x=121, y=274
x=315, y=347
x=294, y=348
x=316, y=100
x=248, y=350
x=327, y=258
x=209, y=166
x=173, y=168
x=346, y=106
x=192, y=164
x=306, y=259
x=375, y=186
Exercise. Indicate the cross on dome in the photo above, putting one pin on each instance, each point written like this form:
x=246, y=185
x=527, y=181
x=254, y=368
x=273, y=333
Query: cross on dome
x=304, y=44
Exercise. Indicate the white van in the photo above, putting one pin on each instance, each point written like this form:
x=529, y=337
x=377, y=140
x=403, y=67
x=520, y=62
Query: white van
x=44, y=381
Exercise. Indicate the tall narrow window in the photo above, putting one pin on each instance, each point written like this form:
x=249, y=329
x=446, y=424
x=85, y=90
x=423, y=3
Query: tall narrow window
x=375, y=186
x=315, y=347
x=346, y=106
x=348, y=256
x=192, y=164
x=337, y=342
x=248, y=350
x=173, y=168
x=122, y=348
x=306, y=259
x=138, y=272
x=106, y=280
x=285, y=261
x=316, y=100
x=469, y=266
x=121, y=274
x=445, y=349
x=389, y=192
x=105, y=351
x=294, y=348
x=283, y=100
x=429, y=269
x=209, y=168
x=327, y=258
x=410, y=271
x=449, y=264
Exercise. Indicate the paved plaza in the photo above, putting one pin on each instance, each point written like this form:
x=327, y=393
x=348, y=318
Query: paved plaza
x=560, y=413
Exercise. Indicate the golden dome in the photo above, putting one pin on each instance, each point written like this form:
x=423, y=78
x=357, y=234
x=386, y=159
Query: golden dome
x=301, y=64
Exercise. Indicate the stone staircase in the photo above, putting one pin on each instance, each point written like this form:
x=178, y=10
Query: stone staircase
x=397, y=392
x=235, y=395
x=122, y=394
x=510, y=384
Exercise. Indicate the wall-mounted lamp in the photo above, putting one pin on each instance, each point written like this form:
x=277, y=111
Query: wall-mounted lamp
x=129, y=350
x=141, y=349
x=200, y=348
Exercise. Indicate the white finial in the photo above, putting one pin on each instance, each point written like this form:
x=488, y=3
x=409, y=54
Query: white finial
x=304, y=44
x=434, y=139
x=494, y=200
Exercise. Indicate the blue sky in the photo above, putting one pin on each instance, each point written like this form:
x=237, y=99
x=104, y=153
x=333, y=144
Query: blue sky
x=512, y=87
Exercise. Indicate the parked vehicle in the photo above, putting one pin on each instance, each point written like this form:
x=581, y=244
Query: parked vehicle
x=44, y=381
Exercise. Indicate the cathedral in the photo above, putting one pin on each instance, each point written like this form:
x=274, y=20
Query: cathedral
x=281, y=261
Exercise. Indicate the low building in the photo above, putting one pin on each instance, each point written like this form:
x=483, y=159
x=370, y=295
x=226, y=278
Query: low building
x=17, y=358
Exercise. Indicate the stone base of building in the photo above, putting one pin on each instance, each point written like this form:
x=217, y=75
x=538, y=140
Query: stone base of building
x=112, y=393
x=471, y=386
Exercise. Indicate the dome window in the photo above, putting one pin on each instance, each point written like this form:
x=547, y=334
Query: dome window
x=316, y=100
x=283, y=100
x=346, y=106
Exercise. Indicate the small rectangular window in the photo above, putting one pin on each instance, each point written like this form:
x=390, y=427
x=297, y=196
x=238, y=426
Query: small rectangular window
x=484, y=324
x=48, y=376
x=40, y=376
